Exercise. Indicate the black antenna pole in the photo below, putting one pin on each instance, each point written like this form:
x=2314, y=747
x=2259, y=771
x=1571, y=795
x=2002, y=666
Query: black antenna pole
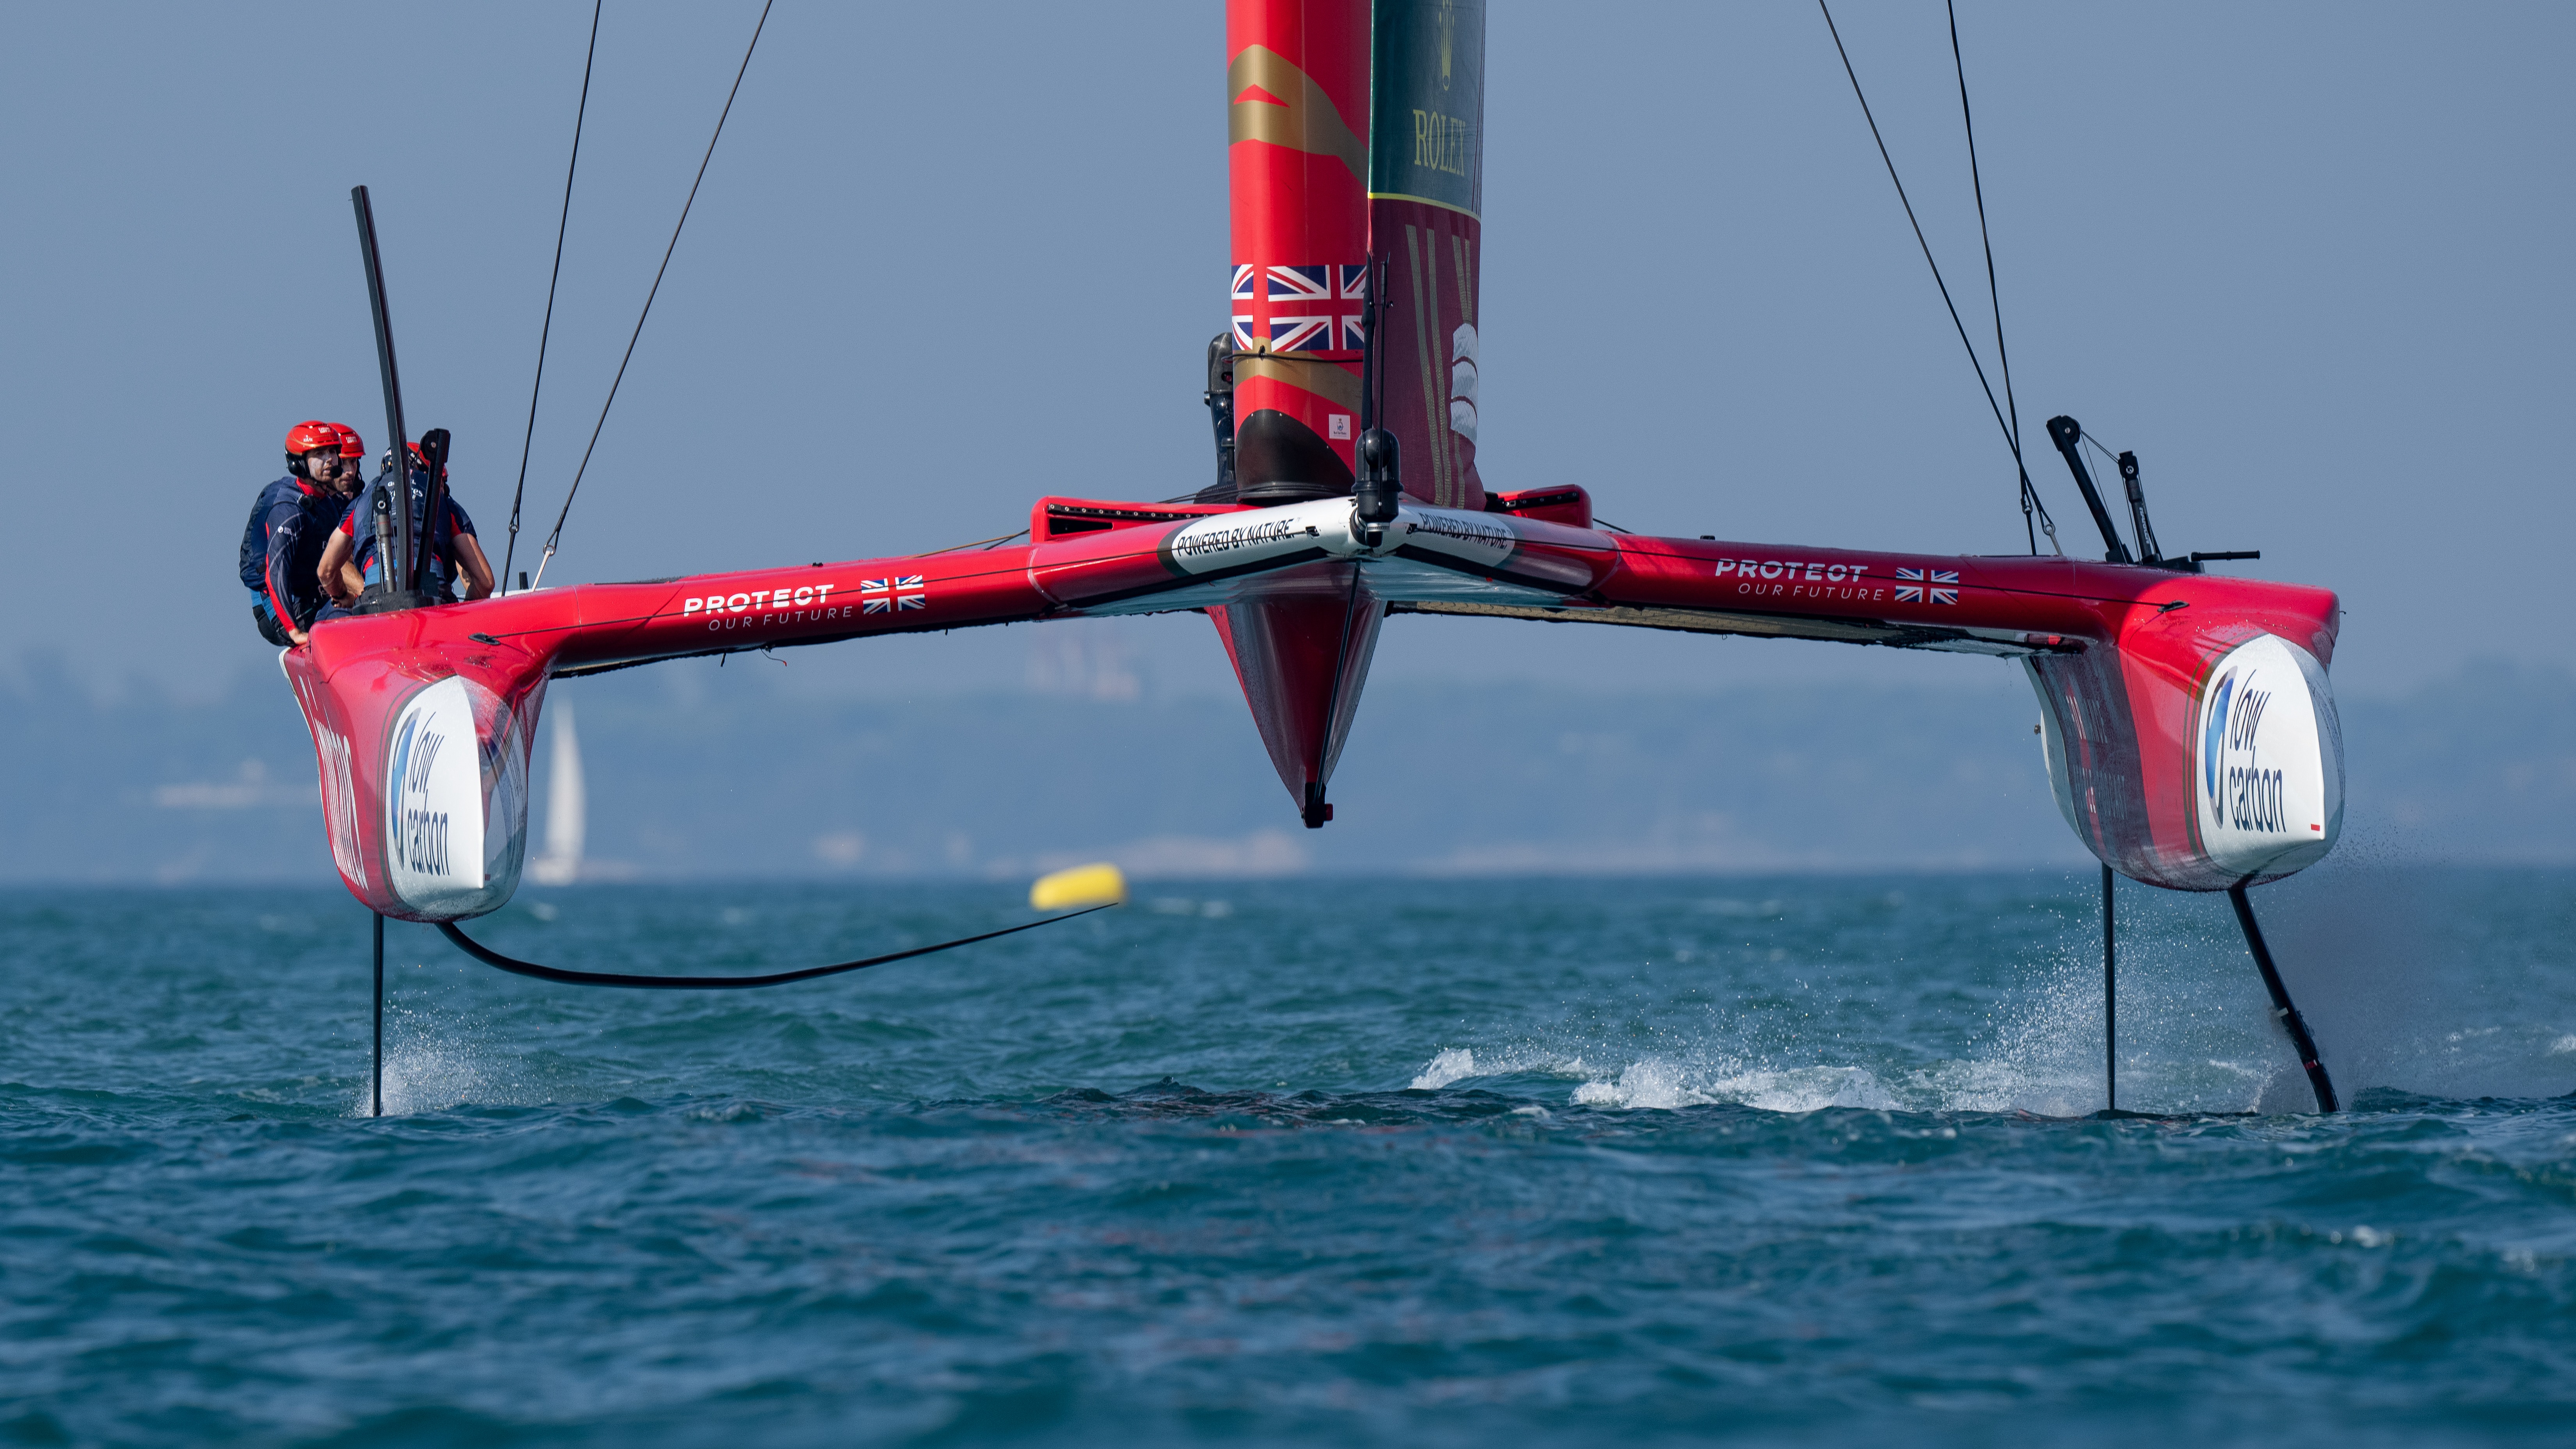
x=1368, y=348
x=433, y=450
x=395, y=553
x=1379, y=306
x=2149, y=551
x=2067, y=434
x=1377, y=495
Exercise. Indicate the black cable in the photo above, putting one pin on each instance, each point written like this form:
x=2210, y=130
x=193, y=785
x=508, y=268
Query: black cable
x=555, y=537
x=490, y=957
x=2003, y=359
x=1973, y=361
x=580, y=114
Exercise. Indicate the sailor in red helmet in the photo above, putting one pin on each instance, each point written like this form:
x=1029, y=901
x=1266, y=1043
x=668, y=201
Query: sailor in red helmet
x=290, y=525
x=351, y=561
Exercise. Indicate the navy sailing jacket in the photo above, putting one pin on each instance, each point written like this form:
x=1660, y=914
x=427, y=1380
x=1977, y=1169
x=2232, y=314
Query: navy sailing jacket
x=360, y=525
x=282, y=547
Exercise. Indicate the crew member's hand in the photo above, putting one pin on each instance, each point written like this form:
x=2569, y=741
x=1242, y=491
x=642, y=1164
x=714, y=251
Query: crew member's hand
x=299, y=636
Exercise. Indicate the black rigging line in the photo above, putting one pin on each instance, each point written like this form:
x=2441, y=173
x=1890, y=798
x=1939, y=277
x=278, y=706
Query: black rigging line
x=580, y=114
x=556, y=537
x=2003, y=359
x=2096, y=445
x=490, y=957
x=2010, y=439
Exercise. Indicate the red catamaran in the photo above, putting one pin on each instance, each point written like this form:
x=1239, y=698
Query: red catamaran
x=2190, y=733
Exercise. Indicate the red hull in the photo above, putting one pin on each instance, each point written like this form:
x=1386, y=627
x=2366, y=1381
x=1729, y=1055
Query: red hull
x=2123, y=654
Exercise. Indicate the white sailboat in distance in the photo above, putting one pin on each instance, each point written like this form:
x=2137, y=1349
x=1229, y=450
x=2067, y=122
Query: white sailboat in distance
x=566, y=807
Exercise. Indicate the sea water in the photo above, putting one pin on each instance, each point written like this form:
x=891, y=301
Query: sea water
x=1412, y=1163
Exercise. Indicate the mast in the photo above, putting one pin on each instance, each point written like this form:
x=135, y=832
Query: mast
x=1296, y=86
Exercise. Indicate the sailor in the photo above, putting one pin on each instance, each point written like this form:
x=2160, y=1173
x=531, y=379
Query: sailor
x=290, y=526
x=351, y=562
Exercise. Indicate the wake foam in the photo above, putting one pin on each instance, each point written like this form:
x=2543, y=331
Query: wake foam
x=1655, y=1083
x=1453, y=1065
x=1666, y=1083
x=434, y=1061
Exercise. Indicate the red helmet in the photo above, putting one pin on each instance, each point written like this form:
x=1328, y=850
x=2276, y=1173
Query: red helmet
x=420, y=460
x=351, y=445
x=306, y=436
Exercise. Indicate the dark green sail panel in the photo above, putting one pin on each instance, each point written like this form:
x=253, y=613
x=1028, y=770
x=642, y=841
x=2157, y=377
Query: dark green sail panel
x=1427, y=102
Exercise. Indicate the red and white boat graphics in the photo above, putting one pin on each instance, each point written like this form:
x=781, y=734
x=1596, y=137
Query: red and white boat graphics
x=2188, y=726
x=2131, y=664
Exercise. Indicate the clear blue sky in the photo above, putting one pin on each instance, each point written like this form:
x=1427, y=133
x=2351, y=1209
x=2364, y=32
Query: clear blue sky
x=2311, y=262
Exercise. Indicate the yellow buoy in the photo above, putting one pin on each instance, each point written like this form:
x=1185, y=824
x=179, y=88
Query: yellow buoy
x=1099, y=884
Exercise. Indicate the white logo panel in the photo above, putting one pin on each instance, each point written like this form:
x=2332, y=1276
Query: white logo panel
x=1236, y=541
x=2267, y=760
x=433, y=790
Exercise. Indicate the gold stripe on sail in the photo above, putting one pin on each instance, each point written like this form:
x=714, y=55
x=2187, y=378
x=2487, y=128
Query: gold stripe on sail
x=1304, y=120
x=1325, y=379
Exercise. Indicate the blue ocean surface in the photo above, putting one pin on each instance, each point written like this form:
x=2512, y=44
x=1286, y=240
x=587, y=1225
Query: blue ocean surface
x=1795, y=1161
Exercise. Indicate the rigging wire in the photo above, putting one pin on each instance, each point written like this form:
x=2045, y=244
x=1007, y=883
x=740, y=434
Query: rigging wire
x=2003, y=359
x=2011, y=440
x=580, y=114
x=556, y=536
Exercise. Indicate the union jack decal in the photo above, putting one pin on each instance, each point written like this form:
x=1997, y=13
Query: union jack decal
x=891, y=594
x=1924, y=586
x=1301, y=309
x=1243, y=298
